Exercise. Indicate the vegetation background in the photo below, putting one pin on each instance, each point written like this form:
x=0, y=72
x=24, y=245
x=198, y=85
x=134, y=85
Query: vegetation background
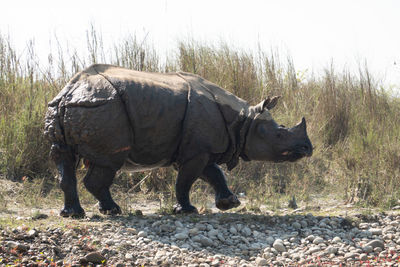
x=353, y=122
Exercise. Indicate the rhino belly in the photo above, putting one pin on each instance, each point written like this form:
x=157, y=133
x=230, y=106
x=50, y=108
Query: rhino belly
x=132, y=166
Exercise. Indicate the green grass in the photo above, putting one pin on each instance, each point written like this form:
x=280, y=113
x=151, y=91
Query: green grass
x=353, y=123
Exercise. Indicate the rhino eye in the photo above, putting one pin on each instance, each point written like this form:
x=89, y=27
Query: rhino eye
x=281, y=133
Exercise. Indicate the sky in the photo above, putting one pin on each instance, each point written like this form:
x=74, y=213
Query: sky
x=314, y=32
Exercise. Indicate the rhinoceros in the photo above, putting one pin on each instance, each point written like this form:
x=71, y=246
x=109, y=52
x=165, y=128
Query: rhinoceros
x=117, y=118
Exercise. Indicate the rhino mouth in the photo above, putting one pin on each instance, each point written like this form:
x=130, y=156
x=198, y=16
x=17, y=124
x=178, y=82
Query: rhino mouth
x=294, y=154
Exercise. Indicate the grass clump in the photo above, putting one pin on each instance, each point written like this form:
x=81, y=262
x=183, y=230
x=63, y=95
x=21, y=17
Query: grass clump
x=353, y=123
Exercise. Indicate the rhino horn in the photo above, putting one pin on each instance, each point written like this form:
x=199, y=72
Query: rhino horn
x=302, y=126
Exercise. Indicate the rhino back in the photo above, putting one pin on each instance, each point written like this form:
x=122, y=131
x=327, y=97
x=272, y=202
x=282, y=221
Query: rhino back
x=156, y=106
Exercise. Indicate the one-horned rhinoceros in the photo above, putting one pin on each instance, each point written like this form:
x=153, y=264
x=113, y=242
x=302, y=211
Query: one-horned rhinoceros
x=117, y=118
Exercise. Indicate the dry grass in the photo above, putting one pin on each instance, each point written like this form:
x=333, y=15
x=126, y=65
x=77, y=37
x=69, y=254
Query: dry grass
x=353, y=123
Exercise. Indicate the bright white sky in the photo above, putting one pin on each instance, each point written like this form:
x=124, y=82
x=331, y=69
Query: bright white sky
x=314, y=32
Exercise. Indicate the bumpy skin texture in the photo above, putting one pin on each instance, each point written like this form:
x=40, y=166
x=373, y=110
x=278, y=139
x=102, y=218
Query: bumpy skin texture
x=117, y=118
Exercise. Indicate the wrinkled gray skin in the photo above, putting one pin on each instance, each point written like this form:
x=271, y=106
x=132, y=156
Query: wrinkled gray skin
x=116, y=118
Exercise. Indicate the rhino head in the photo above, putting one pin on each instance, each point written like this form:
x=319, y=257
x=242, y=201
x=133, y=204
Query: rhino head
x=268, y=141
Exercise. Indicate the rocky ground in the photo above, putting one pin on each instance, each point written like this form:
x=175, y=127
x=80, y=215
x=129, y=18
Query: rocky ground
x=290, y=238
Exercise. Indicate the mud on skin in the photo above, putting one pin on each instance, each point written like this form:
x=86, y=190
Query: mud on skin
x=117, y=118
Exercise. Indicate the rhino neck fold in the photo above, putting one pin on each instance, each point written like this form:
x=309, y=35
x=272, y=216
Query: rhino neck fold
x=245, y=119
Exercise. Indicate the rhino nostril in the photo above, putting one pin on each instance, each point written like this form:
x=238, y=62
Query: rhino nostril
x=306, y=148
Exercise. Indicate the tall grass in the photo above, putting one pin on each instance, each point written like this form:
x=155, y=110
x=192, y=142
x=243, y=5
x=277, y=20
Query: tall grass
x=353, y=123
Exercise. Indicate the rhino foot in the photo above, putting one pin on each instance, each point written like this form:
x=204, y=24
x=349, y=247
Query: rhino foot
x=73, y=212
x=178, y=209
x=227, y=203
x=114, y=210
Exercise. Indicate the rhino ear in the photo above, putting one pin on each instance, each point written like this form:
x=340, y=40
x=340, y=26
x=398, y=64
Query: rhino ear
x=268, y=103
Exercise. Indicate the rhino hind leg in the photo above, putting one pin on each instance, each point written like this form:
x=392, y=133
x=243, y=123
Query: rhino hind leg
x=66, y=162
x=98, y=181
x=187, y=175
x=224, y=198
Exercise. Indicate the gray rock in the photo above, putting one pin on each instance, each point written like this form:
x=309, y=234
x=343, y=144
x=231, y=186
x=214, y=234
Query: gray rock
x=318, y=240
x=246, y=231
x=200, y=226
x=178, y=224
x=193, y=231
x=336, y=240
x=142, y=234
x=181, y=236
x=109, y=242
x=296, y=225
x=313, y=250
x=213, y=233
x=368, y=249
x=350, y=255
x=221, y=237
x=205, y=241
x=215, y=262
x=95, y=257
x=32, y=233
x=376, y=243
x=331, y=250
x=278, y=245
x=261, y=261
x=310, y=238
x=363, y=257
x=376, y=231
x=129, y=256
x=22, y=248
x=233, y=230
x=270, y=240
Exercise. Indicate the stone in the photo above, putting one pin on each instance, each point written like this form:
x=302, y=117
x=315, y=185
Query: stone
x=213, y=232
x=331, y=250
x=270, y=240
x=296, y=225
x=32, y=233
x=261, y=261
x=142, y=234
x=350, y=255
x=233, y=230
x=336, y=240
x=318, y=240
x=205, y=241
x=246, y=231
x=375, y=231
x=363, y=257
x=181, y=236
x=376, y=243
x=129, y=256
x=278, y=245
x=178, y=224
x=193, y=231
x=95, y=257
x=313, y=250
x=21, y=247
x=368, y=249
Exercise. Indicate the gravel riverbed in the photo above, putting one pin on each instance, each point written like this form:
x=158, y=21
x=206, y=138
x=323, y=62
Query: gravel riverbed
x=220, y=239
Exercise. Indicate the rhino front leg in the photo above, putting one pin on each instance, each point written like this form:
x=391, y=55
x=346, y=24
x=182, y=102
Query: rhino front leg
x=224, y=198
x=66, y=165
x=187, y=175
x=98, y=181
